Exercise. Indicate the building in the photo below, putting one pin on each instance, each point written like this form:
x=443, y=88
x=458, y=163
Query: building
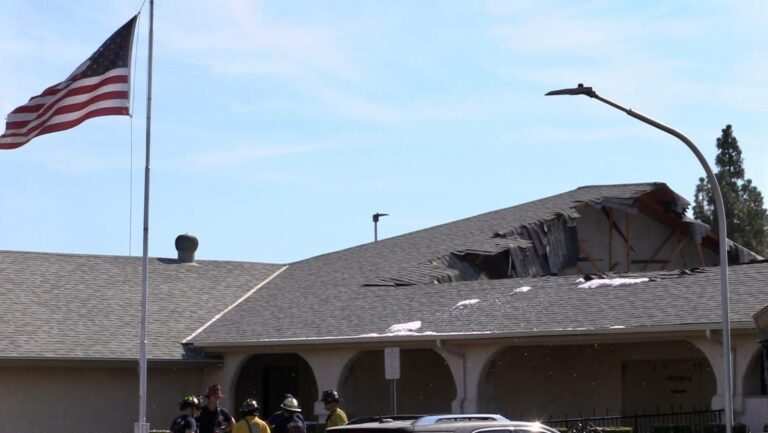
x=601, y=300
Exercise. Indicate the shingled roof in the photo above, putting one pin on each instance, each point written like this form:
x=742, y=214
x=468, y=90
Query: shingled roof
x=55, y=306
x=520, y=307
x=332, y=296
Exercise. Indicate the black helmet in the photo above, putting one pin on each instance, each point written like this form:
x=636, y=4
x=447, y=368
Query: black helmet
x=189, y=401
x=330, y=396
x=249, y=407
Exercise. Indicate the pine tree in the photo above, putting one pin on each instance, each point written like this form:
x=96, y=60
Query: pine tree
x=745, y=215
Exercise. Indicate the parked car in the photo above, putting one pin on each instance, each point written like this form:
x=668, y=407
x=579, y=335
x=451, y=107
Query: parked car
x=461, y=423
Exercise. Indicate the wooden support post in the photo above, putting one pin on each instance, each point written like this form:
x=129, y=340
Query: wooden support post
x=583, y=252
x=627, y=234
x=658, y=249
x=610, y=239
x=701, y=254
x=680, y=245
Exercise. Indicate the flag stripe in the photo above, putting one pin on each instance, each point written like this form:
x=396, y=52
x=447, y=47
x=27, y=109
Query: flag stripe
x=108, y=109
x=81, y=82
x=78, y=89
x=69, y=108
x=69, y=116
x=34, y=118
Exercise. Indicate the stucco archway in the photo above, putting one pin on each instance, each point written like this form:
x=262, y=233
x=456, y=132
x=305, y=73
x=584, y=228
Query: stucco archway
x=568, y=381
x=426, y=384
x=754, y=376
x=268, y=377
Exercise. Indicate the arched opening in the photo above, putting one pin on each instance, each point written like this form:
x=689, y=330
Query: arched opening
x=268, y=377
x=573, y=381
x=754, y=376
x=425, y=386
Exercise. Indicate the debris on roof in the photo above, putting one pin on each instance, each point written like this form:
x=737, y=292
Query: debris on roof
x=522, y=289
x=612, y=282
x=404, y=328
x=540, y=238
x=465, y=303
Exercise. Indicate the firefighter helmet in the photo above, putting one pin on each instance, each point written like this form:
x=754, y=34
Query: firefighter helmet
x=249, y=406
x=291, y=404
x=330, y=396
x=189, y=401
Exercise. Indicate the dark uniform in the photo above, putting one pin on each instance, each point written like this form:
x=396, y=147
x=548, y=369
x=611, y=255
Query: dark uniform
x=213, y=421
x=183, y=424
x=287, y=422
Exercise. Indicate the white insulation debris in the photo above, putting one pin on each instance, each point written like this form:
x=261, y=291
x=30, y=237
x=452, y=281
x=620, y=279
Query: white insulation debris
x=611, y=282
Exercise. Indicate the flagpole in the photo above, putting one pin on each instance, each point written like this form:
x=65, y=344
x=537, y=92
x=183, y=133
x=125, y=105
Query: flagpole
x=142, y=426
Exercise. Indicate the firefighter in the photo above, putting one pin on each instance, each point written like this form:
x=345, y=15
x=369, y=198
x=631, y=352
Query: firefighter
x=288, y=419
x=212, y=418
x=250, y=421
x=185, y=423
x=336, y=417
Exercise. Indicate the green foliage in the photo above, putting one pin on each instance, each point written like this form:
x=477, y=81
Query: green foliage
x=745, y=215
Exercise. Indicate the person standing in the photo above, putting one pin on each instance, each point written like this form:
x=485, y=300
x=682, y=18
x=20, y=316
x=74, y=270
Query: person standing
x=213, y=418
x=336, y=417
x=288, y=419
x=185, y=423
x=250, y=421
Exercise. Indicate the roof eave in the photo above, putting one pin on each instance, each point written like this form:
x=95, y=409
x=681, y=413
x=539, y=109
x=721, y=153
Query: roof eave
x=366, y=339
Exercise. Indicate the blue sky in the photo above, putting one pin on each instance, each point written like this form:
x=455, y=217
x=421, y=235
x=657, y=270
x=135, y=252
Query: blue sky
x=280, y=127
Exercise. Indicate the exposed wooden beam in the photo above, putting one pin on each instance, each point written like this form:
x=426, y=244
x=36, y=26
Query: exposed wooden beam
x=627, y=245
x=701, y=254
x=658, y=249
x=680, y=245
x=610, y=237
x=616, y=227
x=583, y=252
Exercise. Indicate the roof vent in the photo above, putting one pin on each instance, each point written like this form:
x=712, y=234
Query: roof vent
x=186, y=245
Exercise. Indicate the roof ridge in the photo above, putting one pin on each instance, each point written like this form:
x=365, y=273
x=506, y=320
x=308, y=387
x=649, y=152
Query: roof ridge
x=654, y=185
x=118, y=256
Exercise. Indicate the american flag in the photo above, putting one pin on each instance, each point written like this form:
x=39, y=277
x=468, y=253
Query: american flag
x=100, y=86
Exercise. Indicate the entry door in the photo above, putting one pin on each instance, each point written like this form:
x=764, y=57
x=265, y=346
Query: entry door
x=278, y=380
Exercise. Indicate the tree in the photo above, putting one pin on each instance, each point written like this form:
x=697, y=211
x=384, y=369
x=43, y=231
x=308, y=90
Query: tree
x=746, y=218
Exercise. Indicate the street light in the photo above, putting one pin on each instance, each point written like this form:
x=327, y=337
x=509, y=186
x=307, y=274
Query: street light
x=721, y=233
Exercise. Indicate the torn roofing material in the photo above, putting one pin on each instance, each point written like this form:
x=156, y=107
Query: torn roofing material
x=540, y=238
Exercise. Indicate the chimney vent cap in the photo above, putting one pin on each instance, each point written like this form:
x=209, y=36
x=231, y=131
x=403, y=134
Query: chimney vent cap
x=186, y=245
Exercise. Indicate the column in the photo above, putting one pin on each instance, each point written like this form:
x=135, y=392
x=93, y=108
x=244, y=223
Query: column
x=328, y=367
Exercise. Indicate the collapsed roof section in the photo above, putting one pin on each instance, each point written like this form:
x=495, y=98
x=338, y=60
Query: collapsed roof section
x=548, y=243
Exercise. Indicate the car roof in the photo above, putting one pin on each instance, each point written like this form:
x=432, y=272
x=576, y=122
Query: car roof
x=456, y=423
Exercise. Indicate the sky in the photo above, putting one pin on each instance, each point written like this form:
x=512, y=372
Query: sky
x=279, y=127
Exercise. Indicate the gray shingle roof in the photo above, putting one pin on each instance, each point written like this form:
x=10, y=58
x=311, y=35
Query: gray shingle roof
x=327, y=296
x=87, y=306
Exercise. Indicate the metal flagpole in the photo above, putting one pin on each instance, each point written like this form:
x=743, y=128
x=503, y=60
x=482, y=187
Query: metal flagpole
x=142, y=426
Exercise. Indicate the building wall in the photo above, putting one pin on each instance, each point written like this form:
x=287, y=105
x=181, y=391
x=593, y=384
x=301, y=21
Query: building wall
x=645, y=236
x=98, y=399
x=553, y=382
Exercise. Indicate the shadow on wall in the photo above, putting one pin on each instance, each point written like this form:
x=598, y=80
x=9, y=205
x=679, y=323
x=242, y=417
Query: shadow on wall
x=268, y=377
x=426, y=384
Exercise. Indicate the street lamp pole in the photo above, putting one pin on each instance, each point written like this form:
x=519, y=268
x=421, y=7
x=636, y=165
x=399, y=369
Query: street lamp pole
x=721, y=234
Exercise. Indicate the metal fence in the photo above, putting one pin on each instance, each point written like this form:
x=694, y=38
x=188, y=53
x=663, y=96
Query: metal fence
x=645, y=423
